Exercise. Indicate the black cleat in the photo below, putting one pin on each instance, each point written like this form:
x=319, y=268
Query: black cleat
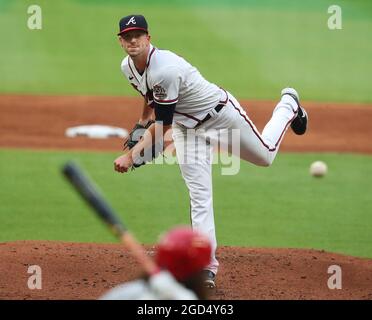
x=299, y=123
x=209, y=279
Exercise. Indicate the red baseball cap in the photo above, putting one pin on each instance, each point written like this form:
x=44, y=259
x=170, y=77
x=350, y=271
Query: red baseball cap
x=183, y=252
x=132, y=22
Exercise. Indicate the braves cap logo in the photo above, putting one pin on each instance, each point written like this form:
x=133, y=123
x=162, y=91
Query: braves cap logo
x=131, y=20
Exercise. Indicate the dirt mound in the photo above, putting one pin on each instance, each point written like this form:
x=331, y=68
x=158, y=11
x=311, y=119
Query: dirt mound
x=87, y=270
x=41, y=121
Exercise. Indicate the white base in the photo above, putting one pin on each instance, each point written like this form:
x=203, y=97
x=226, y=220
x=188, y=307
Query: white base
x=96, y=132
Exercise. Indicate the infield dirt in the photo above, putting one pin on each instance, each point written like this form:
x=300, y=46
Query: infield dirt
x=85, y=271
x=40, y=122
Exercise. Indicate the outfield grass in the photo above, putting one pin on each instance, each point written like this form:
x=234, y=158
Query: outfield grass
x=280, y=206
x=252, y=48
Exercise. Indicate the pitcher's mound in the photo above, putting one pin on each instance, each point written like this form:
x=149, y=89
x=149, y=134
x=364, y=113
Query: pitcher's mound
x=87, y=270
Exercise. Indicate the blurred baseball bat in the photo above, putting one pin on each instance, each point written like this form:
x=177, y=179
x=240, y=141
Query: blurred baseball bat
x=94, y=198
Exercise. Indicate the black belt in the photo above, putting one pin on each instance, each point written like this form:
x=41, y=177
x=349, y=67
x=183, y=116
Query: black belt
x=208, y=116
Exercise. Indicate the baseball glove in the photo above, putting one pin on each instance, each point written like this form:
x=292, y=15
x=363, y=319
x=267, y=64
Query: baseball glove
x=134, y=136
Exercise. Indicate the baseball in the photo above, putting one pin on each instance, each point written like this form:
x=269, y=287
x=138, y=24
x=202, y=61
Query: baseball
x=318, y=169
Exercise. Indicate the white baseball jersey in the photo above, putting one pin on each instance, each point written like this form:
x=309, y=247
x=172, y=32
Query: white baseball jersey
x=161, y=286
x=169, y=79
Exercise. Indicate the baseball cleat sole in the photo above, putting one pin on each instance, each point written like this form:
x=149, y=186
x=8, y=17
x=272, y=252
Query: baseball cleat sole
x=209, y=279
x=210, y=284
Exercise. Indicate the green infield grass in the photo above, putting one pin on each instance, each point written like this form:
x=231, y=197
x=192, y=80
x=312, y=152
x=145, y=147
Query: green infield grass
x=280, y=206
x=252, y=48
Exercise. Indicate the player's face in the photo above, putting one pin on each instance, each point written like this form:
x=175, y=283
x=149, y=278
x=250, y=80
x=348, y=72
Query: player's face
x=135, y=42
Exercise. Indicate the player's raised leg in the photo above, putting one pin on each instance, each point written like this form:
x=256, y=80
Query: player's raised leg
x=261, y=149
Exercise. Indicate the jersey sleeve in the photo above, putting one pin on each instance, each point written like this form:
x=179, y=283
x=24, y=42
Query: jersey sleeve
x=134, y=290
x=124, y=67
x=168, y=288
x=166, y=85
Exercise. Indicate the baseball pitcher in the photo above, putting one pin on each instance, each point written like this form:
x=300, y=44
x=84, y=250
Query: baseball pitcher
x=182, y=99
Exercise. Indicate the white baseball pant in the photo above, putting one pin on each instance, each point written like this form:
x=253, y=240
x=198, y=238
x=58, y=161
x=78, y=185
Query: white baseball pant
x=195, y=155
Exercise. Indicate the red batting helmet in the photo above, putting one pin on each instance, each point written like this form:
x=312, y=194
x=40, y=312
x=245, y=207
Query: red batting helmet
x=183, y=252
